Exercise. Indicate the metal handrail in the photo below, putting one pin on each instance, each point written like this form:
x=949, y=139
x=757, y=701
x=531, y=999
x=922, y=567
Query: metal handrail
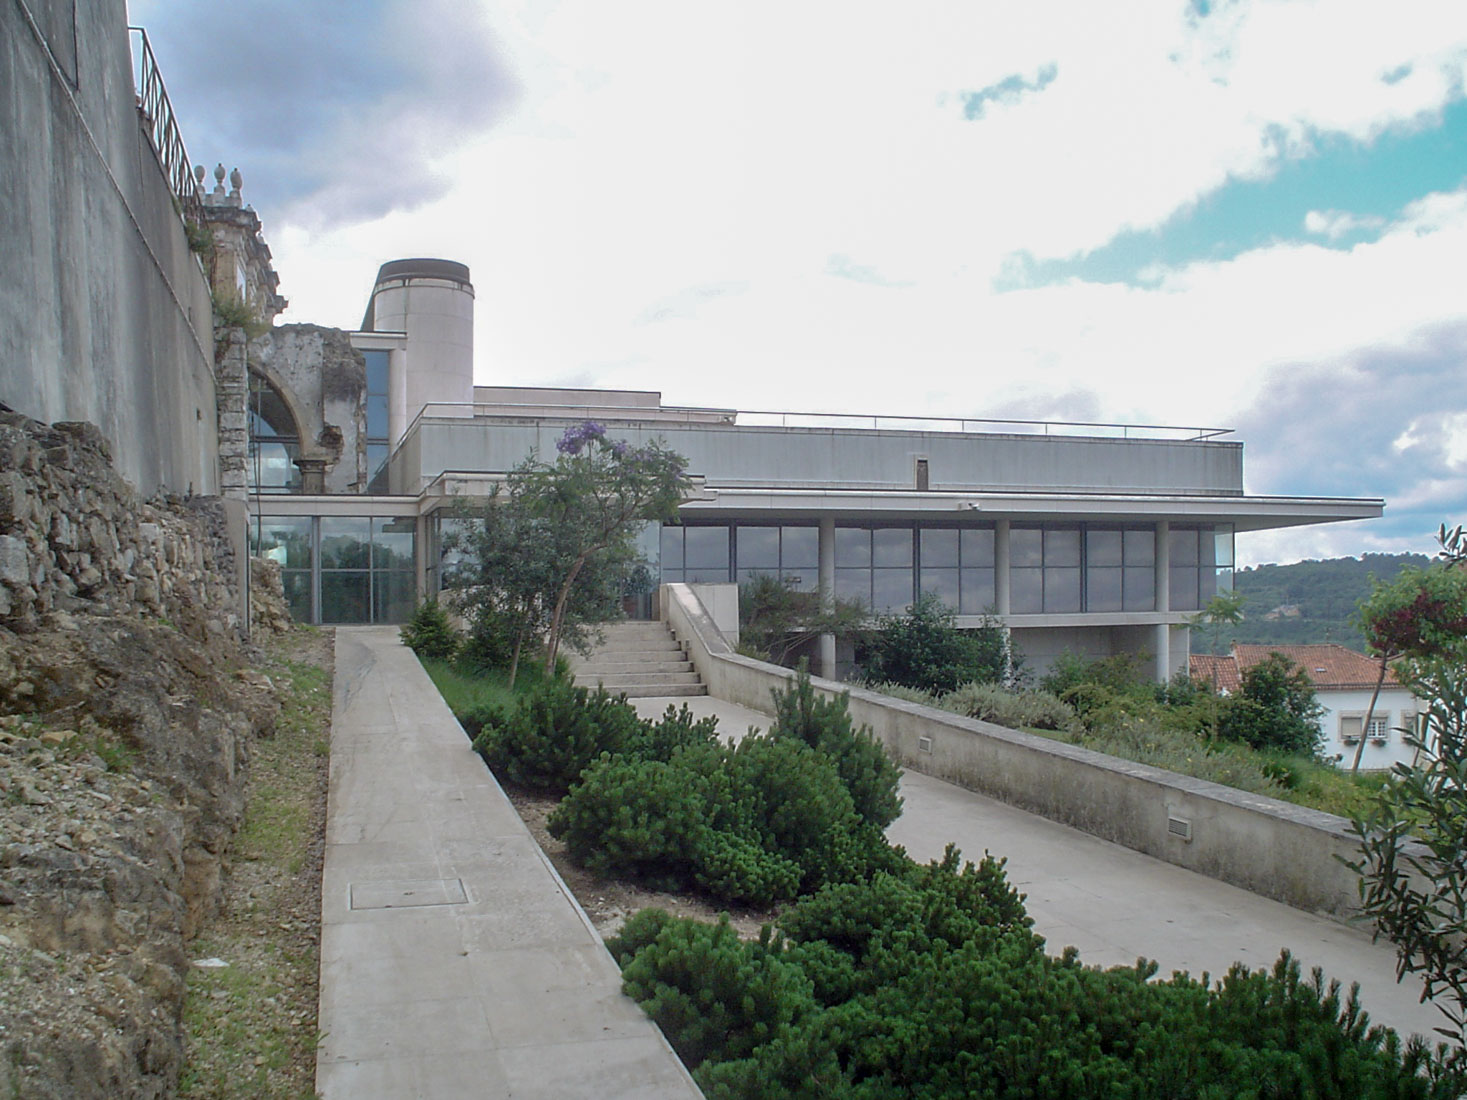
x=161, y=126
x=861, y=422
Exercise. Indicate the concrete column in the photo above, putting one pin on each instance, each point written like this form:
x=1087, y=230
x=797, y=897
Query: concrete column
x=827, y=593
x=1001, y=568
x=232, y=397
x=313, y=475
x=1163, y=600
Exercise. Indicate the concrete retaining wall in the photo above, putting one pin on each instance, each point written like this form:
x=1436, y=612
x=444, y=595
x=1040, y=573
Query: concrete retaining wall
x=1272, y=848
x=105, y=314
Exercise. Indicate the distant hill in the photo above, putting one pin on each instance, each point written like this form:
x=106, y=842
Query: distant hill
x=1309, y=601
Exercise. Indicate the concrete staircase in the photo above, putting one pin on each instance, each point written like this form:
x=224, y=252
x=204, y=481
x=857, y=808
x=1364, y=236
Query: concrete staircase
x=640, y=660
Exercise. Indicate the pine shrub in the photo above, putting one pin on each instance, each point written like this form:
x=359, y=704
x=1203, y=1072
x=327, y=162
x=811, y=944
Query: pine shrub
x=429, y=634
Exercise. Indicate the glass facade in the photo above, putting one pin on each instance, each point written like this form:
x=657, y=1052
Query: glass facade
x=377, y=437
x=340, y=570
x=1054, y=569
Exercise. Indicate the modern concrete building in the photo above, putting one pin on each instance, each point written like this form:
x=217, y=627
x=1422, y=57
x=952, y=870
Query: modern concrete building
x=1091, y=538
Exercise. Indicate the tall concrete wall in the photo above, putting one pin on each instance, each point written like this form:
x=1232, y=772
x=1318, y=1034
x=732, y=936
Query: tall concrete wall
x=104, y=312
x=733, y=456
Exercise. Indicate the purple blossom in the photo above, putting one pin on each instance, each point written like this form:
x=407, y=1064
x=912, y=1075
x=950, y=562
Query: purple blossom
x=576, y=438
x=619, y=448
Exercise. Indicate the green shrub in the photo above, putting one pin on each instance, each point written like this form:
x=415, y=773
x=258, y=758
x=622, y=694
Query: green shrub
x=925, y=649
x=490, y=642
x=824, y=724
x=1012, y=709
x=555, y=732
x=676, y=729
x=907, y=694
x=1274, y=708
x=429, y=634
x=633, y=817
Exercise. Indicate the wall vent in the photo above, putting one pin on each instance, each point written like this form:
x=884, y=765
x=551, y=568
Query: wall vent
x=924, y=744
x=1179, y=828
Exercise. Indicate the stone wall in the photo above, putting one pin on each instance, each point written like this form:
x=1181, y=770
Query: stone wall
x=73, y=534
x=127, y=715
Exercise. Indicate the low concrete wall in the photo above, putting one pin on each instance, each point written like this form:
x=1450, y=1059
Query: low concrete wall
x=1272, y=848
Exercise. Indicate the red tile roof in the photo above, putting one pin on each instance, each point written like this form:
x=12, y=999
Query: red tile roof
x=1329, y=666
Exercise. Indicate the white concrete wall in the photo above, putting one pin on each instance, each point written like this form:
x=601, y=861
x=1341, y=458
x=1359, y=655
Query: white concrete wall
x=105, y=314
x=1272, y=848
x=1397, y=705
x=438, y=317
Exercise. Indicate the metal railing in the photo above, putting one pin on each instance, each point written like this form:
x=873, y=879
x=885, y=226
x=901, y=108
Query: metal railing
x=859, y=422
x=161, y=126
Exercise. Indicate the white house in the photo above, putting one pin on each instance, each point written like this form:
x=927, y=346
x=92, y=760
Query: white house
x=1343, y=683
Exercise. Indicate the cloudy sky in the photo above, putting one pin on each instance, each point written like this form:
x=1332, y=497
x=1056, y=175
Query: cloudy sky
x=1239, y=214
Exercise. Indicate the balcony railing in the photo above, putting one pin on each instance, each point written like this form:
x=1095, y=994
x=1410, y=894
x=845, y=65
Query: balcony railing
x=161, y=126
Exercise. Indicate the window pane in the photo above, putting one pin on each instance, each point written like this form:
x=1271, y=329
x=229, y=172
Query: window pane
x=706, y=548
x=806, y=580
x=854, y=584
x=1026, y=591
x=344, y=542
x=891, y=589
x=706, y=575
x=1061, y=547
x=672, y=549
x=977, y=592
x=1061, y=590
x=942, y=583
x=1183, y=547
x=1140, y=547
x=852, y=546
x=1140, y=589
x=376, y=456
x=1183, y=588
x=376, y=371
x=977, y=546
x=393, y=594
x=393, y=541
x=1103, y=548
x=939, y=549
x=377, y=416
x=800, y=548
x=297, y=585
x=1026, y=547
x=1103, y=589
x=757, y=548
x=1222, y=545
x=344, y=598
x=284, y=539
x=271, y=467
x=891, y=546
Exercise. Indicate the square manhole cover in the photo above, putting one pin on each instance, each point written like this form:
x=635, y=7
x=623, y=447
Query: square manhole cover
x=407, y=895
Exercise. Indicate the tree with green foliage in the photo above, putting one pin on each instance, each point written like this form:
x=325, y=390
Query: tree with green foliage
x=1275, y=708
x=1413, y=865
x=1224, y=609
x=926, y=649
x=429, y=634
x=777, y=617
x=558, y=550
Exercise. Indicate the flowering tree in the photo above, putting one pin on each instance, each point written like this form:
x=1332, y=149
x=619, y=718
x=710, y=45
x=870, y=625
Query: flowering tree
x=1413, y=865
x=594, y=497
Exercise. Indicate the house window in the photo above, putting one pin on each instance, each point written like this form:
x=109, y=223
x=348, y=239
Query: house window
x=274, y=441
x=956, y=566
x=790, y=553
x=1120, y=569
x=875, y=566
x=695, y=555
x=1379, y=728
x=343, y=569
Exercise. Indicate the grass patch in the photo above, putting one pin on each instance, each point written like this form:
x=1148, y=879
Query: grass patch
x=251, y=1026
x=466, y=691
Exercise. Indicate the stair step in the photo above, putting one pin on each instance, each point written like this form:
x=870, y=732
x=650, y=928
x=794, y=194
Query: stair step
x=638, y=660
x=656, y=691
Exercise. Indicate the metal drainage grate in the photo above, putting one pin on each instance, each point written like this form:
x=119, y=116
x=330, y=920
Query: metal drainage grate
x=411, y=894
x=1179, y=828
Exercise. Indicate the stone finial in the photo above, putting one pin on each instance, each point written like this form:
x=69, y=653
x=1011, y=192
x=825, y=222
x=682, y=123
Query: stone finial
x=219, y=179
x=199, y=175
x=235, y=179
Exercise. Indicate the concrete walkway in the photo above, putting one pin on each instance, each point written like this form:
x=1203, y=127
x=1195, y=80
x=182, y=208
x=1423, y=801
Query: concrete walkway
x=454, y=961
x=1116, y=905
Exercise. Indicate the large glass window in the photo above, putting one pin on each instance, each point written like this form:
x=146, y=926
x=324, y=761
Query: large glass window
x=1120, y=569
x=377, y=437
x=695, y=554
x=957, y=567
x=1044, y=570
x=274, y=442
x=875, y=566
x=342, y=569
x=791, y=553
x=1194, y=568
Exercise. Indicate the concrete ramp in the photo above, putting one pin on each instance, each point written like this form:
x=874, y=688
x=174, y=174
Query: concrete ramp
x=454, y=961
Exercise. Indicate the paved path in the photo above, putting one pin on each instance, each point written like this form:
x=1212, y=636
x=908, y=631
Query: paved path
x=1115, y=904
x=454, y=962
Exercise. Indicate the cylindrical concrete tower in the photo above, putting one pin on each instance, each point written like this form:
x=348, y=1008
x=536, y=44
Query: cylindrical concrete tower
x=433, y=302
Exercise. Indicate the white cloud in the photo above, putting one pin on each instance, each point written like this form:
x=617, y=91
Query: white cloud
x=1335, y=224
